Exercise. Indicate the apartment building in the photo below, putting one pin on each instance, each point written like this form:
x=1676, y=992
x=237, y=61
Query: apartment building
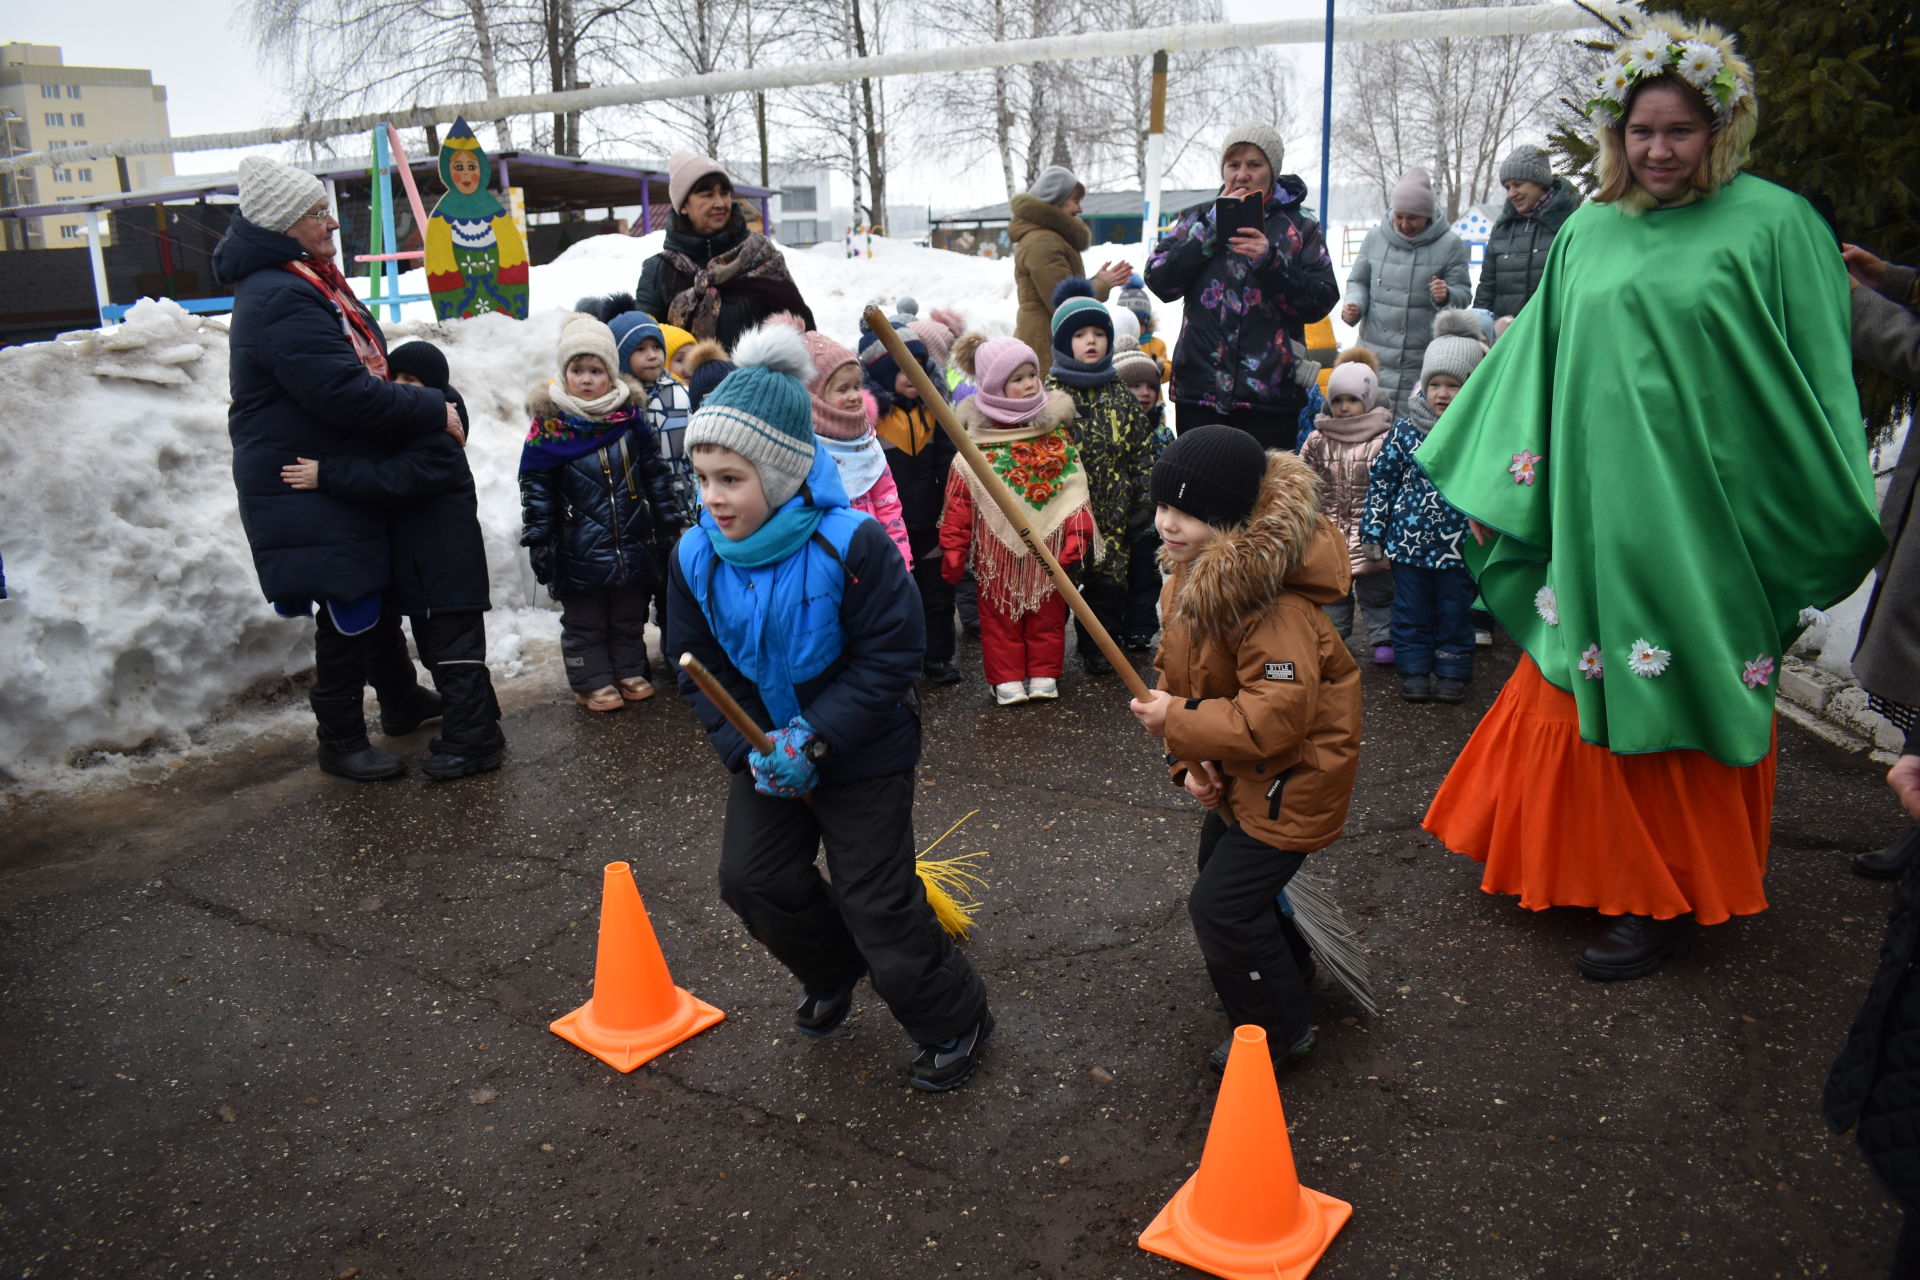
x=47, y=105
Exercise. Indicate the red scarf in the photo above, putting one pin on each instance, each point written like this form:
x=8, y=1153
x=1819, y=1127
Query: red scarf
x=354, y=320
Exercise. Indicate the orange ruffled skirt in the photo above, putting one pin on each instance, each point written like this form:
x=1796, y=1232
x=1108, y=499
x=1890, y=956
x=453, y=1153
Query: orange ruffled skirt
x=1563, y=823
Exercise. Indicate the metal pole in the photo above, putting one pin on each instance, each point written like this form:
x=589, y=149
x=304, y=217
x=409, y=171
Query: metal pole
x=1326, y=120
x=94, y=235
x=1156, y=150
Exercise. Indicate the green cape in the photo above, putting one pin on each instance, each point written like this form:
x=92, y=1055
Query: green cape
x=1683, y=380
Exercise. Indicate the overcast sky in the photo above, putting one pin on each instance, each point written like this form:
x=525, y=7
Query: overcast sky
x=199, y=50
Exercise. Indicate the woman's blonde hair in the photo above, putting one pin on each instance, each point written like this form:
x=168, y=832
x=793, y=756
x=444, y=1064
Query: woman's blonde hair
x=1732, y=138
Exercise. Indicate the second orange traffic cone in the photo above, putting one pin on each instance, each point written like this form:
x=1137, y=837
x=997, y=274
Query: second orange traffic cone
x=1243, y=1214
x=636, y=1013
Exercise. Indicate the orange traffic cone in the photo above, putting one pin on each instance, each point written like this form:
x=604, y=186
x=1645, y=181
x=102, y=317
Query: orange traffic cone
x=1243, y=1214
x=636, y=1013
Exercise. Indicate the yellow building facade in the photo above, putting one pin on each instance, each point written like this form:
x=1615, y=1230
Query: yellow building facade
x=47, y=105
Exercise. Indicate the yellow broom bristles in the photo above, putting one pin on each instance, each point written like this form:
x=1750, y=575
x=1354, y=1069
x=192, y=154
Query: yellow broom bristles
x=948, y=881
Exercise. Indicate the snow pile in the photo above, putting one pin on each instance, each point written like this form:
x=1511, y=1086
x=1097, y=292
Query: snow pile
x=136, y=634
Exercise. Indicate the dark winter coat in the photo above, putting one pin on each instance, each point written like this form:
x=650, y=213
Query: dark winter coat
x=1517, y=251
x=299, y=391
x=744, y=303
x=1047, y=244
x=605, y=518
x=1115, y=438
x=426, y=487
x=1243, y=317
x=1875, y=1083
x=1887, y=661
x=919, y=456
x=862, y=703
x=1404, y=513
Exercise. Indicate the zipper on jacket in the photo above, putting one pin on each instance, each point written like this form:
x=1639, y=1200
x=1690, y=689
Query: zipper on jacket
x=613, y=510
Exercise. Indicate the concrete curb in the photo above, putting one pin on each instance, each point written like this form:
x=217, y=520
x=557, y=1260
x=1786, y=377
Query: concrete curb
x=1835, y=710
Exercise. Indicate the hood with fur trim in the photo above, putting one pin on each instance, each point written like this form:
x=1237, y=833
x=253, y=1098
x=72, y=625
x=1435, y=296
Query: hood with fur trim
x=1059, y=412
x=540, y=400
x=1031, y=213
x=1284, y=546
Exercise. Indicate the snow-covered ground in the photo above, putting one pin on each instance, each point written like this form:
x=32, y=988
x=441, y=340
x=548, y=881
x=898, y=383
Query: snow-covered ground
x=136, y=636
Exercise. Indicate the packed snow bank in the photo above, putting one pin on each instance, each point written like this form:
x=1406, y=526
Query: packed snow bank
x=136, y=634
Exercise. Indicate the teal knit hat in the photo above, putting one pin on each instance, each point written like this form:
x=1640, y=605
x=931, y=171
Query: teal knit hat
x=1074, y=308
x=762, y=412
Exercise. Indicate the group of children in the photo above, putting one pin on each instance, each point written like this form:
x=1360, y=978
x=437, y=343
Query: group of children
x=775, y=502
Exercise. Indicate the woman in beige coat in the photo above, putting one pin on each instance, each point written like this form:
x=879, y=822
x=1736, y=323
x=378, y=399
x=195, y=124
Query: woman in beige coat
x=1048, y=239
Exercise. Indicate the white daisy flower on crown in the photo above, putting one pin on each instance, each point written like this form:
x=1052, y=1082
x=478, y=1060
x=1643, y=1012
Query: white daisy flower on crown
x=1700, y=62
x=1615, y=84
x=1650, y=53
x=1547, y=605
x=1647, y=659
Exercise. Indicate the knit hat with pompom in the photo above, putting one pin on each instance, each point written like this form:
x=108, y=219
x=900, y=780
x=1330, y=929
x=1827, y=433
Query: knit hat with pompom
x=761, y=410
x=1457, y=348
x=1075, y=308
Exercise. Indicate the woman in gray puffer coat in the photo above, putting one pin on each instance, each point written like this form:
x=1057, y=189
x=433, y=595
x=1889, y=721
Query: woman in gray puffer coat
x=1537, y=204
x=1410, y=268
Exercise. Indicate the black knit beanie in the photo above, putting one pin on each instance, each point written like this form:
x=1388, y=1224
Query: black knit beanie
x=1212, y=473
x=421, y=359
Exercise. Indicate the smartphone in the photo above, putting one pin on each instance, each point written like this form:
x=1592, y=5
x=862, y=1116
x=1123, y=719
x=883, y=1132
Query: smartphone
x=1232, y=216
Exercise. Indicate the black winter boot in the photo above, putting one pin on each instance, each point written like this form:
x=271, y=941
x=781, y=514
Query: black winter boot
x=404, y=710
x=1634, y=946
x=1417, y=688
x=344, y=749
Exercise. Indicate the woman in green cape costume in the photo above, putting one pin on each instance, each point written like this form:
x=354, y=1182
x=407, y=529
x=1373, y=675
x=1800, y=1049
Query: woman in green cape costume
x=1665, y=458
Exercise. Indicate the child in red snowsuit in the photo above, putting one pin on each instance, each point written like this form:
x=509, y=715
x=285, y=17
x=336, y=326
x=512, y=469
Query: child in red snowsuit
x=1023, y=430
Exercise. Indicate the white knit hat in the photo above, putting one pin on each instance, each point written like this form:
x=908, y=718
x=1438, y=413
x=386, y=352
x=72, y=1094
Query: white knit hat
x=274, y=196
x=1457, y=348
x=584, y=335
x=1260, y=134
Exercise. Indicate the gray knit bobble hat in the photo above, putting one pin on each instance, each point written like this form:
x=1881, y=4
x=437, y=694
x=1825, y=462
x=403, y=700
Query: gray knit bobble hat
x=762, y=412
x=1527, y=163
x=1260, y=134
x=1055, y=185
x=1456, y=349
x=274, y=196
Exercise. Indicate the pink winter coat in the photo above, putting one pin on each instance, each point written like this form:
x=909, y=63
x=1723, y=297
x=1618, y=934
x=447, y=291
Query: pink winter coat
x=1340, y=451
x=882, y=502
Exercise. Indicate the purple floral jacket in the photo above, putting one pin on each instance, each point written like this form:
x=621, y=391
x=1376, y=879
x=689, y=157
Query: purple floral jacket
x=1243, y=316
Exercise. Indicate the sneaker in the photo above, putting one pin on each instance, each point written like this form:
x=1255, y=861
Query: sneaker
x=1138, y=644
x=442, y=766
x=603, y=699
x=950, y=1063
x=1217, y=1057
x=1445, y=690
x=1009, y=693
x=1482, y=637
x=636, y=688
x=1043, y=688
x=819, y=1016
x=941, y=673
x=1417, y=688
x=1383, y=655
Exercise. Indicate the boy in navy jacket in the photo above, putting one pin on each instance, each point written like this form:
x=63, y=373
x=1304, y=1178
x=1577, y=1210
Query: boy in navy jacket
x=802, y=608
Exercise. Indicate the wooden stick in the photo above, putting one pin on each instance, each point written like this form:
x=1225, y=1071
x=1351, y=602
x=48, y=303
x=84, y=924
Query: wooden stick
x=735, y=713
x=1008, y=504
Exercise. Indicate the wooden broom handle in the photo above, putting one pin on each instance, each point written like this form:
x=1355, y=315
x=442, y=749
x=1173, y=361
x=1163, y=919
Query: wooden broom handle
x=735, y=713
x=1003, y=497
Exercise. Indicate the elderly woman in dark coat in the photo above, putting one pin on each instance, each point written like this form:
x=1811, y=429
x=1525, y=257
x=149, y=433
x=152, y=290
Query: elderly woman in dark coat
x=308, y=374
x=713, y=277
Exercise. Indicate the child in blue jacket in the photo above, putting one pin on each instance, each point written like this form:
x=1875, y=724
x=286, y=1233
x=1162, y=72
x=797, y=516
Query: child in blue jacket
x=803, y=609
x=1407, y=521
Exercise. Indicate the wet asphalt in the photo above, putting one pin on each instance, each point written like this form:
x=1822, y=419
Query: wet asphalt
x=260, y=1022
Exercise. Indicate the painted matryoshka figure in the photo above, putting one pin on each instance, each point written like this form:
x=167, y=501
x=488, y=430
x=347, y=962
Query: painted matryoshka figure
x=476, y=258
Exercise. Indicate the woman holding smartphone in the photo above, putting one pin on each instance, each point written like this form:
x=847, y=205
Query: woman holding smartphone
x=1254, y=270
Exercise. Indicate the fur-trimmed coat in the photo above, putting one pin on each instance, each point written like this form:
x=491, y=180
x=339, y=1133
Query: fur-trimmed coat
x=1047, y=244
x=606, y=518
x=1269, y=691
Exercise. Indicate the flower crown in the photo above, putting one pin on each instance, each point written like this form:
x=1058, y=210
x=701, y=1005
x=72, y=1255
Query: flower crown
x=1704, y=58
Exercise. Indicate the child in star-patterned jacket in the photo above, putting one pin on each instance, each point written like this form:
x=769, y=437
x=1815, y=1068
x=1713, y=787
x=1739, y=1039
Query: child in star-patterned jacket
x=1407, y=521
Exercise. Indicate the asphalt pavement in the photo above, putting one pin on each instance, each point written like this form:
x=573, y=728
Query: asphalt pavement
x=260, y=1022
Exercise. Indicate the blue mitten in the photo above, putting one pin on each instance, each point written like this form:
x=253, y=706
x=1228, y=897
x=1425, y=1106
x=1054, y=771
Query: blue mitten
x=786, y=770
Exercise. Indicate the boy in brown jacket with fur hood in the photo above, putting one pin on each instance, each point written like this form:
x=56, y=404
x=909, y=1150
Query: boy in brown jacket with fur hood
x=1259, y=704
